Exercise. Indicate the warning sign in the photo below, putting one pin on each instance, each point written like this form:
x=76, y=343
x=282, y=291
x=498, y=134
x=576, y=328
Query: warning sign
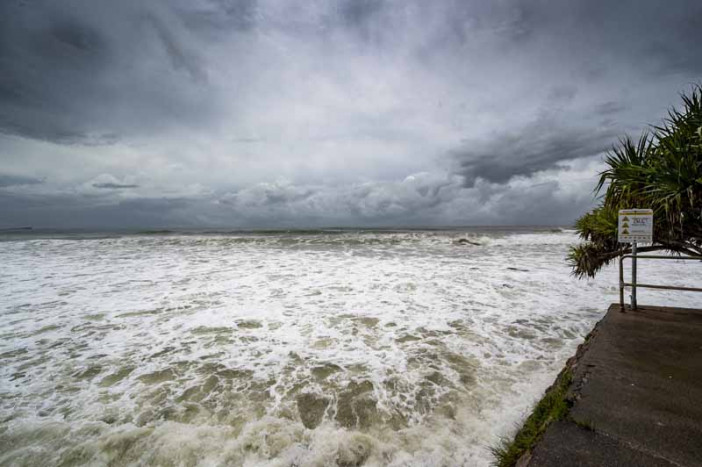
x=636, y=225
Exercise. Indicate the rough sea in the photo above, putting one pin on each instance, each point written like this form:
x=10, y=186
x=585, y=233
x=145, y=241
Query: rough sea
x=402, y=348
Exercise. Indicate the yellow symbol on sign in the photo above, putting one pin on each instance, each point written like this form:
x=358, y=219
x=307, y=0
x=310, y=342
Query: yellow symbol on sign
x=626, y=219
x=626, y=232
x=625, y=225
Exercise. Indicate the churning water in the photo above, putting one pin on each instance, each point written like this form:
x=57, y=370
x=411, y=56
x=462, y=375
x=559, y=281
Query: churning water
x=317, y=348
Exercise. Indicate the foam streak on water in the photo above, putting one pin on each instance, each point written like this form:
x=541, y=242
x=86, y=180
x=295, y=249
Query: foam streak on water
x=346, y=348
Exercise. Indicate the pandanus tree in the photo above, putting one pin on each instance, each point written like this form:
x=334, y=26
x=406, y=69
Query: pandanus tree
x=661, y=171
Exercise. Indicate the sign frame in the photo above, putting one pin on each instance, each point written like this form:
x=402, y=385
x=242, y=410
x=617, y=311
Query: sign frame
x=635, y=226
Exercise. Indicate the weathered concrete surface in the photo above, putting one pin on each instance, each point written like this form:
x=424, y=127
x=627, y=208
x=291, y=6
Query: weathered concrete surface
x=637, y=393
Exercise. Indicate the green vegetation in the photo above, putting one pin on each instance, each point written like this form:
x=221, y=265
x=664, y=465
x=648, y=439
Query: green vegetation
x=553, y=406
x=663, y=172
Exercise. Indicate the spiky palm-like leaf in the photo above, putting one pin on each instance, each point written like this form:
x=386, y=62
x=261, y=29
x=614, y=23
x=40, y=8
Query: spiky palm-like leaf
x=661, y=171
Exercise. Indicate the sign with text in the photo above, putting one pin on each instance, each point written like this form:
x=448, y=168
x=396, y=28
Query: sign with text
x=636, y=225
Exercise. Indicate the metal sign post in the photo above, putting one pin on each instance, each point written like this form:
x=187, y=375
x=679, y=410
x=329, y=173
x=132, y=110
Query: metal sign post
x=633, y=276
x=635, y=225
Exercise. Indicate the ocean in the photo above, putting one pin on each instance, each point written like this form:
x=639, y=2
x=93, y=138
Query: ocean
x=309, y=348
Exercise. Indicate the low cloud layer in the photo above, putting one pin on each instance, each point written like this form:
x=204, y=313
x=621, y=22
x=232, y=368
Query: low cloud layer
x=549, y=197
x=253, y=113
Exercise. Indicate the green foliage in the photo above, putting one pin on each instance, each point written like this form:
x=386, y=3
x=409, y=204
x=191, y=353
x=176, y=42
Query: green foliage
x=661, y=171
x=553, y=406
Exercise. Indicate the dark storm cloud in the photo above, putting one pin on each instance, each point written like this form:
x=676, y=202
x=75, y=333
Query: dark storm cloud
x=645, y=38
x=77, y=71
x=258, y=112
x=535, y=147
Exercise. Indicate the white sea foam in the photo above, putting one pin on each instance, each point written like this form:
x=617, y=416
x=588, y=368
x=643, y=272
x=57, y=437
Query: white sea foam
x=389, y=348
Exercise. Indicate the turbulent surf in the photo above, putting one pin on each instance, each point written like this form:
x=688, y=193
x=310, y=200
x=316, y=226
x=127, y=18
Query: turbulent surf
x=280, y=349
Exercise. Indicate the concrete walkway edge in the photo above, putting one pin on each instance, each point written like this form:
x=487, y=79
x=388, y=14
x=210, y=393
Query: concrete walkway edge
x=636, y=392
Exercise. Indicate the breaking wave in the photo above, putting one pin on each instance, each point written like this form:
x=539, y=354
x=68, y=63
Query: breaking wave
x=298, y=348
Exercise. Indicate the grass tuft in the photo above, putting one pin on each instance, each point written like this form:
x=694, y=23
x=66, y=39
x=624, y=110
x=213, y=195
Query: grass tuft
x=553, y=406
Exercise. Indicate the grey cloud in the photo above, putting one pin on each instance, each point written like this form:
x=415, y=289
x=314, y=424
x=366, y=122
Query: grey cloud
x=536, y=205
x=89, y=72
x=562, y=93
x=79, y=211
x=647, y=34
x=220, y=17
x=180, y=56
x=423, y=199
x=7, y=180
x=83, y=72
x=344, y=98
x=419, y=200
x=359, y=11
x=537, y=146
x=114, y=186
x=610, y=108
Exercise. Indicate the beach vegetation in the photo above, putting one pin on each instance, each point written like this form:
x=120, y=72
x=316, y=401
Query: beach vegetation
x=661, y=171
x=554, y=406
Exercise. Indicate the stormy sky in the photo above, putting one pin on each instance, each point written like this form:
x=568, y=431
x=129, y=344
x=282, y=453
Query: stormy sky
x=272, y=113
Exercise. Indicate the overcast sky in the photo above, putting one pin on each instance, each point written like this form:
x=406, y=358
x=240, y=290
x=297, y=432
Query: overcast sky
x=281, y=113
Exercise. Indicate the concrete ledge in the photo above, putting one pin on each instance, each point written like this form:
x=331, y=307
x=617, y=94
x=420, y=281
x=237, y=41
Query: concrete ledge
x=567, y=444
x=636, y=394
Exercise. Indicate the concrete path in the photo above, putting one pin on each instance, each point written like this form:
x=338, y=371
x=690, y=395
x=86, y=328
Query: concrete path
x=638, y=394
